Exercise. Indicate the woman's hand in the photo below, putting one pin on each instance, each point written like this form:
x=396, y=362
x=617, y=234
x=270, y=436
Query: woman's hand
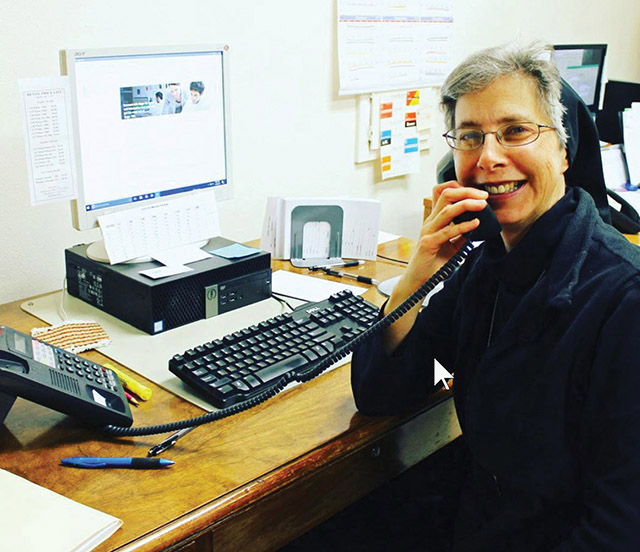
x=440, y=238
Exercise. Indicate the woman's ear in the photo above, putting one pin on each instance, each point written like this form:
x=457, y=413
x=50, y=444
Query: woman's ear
x=565, y=161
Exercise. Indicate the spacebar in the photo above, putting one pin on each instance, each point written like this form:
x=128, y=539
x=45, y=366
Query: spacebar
x=282, y=367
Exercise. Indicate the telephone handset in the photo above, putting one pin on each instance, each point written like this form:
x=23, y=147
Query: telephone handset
x=489, y=225
x=58, y=379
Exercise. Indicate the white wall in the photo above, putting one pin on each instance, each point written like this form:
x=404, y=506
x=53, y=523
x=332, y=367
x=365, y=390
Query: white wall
x=292, y=135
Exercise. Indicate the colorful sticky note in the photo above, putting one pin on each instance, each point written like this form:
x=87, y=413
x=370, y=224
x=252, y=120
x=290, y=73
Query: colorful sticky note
x=413, y=97
x=386, y=110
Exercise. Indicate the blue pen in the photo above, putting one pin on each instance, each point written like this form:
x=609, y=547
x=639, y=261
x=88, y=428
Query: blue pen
x=114, y=462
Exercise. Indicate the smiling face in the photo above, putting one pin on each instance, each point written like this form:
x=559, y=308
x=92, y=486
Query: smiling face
x=176, y=92
x=525, y=181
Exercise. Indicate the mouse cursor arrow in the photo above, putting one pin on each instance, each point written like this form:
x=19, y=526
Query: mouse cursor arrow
x=440, y=374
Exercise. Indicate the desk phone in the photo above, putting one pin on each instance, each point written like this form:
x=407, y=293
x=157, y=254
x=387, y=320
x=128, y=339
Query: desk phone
x=60, y=380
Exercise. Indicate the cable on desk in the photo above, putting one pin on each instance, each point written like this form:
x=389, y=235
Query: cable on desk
x=62, y=312
x=281, y=299
x=392, y=259
x=314, y=370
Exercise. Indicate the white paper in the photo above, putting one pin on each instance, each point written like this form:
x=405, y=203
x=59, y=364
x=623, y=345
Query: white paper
x=633, y=198
x=631, y=134
x=384, y=237
x=164, y=271
x=33, y=518
x=308, y=288
x=45, y=107
x=393, y=45
x=272, y=238
x=614, y=167
x=145, y=230
x=316, y=240
x=181, y=255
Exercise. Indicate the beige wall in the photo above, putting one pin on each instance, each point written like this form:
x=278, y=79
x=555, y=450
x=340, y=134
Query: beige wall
x=292, y=135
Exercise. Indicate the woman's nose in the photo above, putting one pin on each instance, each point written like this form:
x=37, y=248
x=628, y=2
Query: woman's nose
x=492, y=153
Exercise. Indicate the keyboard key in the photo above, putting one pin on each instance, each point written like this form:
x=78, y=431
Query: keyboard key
x=318, y=332
x=321, y=338
x=310, y=355
x=241, y=385
x=319, y=350
x=226, y=390
x=279, y=368
x=221, y=382
x=252, y=382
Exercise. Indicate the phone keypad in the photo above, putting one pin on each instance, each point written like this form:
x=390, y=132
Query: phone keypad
x=82, y=368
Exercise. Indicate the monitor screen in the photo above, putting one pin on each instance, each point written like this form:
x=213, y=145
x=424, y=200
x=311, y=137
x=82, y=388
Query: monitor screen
x=582, y=66
x=150, y=124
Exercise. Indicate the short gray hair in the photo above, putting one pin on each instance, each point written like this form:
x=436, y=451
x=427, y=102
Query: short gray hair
x=479, y=70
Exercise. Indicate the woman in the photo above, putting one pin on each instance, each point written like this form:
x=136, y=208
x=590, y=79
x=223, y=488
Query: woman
x=538, y=325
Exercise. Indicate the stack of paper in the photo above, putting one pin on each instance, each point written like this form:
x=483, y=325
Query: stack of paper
x=33, y=518
x=311, y=227
x=308, y=288
x=614, y=167
x=631, y=134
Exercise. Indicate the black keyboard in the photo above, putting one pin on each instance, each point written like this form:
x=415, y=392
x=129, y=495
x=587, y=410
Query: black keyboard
x=243, y=364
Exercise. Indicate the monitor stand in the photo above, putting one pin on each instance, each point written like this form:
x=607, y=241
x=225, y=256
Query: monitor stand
x=386, y=286
x=98, y=252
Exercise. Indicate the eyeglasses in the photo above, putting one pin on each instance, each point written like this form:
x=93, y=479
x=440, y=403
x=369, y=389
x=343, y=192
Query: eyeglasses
x=510, y=136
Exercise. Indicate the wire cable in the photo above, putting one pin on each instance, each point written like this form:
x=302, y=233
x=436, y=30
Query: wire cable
x=392, y=259
x=312, y=371
x=281, y=299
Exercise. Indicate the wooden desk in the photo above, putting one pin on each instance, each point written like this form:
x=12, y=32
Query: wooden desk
x=254, y=481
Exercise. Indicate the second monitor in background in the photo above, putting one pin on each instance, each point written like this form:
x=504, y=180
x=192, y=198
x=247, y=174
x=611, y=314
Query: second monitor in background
x=582, y=66
x=618, y=96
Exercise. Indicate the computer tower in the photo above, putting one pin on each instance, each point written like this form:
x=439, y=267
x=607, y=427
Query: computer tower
x=214, y=286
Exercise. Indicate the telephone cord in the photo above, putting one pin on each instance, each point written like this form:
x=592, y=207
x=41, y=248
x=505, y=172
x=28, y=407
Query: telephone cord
x=316, y=369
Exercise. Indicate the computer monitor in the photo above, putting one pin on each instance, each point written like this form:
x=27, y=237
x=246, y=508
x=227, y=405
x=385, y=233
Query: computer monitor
x=582, y=66
x=150, y=124
x=618, y=95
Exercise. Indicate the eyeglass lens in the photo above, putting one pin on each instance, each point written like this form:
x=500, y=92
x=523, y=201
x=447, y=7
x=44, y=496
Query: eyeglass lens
x=513, y=134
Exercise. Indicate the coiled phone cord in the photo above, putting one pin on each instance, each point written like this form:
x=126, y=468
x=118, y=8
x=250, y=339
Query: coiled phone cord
x=316, y=369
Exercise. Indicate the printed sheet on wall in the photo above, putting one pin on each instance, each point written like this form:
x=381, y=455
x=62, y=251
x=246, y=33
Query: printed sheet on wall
x=393, y=45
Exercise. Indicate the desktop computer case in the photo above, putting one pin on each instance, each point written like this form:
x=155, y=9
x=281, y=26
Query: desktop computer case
x=215, y=285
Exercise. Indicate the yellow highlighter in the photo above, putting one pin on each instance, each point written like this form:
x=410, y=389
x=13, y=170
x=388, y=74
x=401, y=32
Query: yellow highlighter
x=132, y=385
